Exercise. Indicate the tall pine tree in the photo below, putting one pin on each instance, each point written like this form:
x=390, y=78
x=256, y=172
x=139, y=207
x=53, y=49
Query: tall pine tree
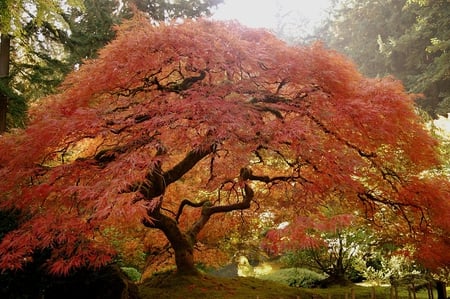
x=408, y=39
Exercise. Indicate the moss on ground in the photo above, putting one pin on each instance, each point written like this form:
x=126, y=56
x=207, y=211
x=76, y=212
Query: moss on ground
x=173, y=286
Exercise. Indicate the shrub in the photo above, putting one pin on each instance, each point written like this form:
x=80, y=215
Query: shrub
x=132, y=273
x=296, y=277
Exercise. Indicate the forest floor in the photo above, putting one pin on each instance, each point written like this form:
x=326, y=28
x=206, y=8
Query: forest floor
x=169, y=285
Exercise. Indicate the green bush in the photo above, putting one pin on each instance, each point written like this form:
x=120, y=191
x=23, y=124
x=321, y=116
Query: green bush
x=295, y=277
x=132, y=273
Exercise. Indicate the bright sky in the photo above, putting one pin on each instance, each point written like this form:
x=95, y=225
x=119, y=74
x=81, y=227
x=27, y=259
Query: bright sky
x=443, y=123
x=263, y=13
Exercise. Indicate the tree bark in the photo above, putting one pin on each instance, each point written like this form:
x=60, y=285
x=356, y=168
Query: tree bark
x=183, y=242
x=3, y=110
x=180, y=242
x=441, y=289
x=5, y=42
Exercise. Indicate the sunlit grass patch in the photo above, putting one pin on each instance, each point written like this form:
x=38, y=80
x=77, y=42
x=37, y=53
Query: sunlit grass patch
x=170, y=285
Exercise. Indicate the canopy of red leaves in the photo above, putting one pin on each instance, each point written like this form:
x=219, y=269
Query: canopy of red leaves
x=301, y=118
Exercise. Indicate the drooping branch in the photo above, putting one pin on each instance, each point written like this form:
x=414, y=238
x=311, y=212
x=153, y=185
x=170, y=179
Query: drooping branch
x=400, y=207
x=276, y=151
x=326, y=130
x=262, y=103
x=388, y=174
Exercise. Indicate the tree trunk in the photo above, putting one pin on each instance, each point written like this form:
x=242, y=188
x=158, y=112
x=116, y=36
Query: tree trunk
x=180, y=242
x=5, y=42
x=3, y=110
x=183, y=243
x=441, y=289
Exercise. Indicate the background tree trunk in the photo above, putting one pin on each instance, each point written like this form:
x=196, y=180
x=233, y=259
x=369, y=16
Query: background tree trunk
x=5, y=42
x=441, y=289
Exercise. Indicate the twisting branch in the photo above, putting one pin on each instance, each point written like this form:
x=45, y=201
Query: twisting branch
x=157, y=180
x=149, y=82
x=278, y=152
x=185, y=84
x=368, y=196
x=248, y=174
x=208, y=209
x=187, y=202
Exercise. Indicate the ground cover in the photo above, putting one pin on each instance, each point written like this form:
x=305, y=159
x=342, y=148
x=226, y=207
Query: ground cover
x=169, y=285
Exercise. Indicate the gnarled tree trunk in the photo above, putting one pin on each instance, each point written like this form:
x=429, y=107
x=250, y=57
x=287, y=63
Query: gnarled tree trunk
x=182, y=244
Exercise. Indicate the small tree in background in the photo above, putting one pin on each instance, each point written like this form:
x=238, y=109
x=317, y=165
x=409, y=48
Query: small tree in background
x=326, y=244
x=176, y=125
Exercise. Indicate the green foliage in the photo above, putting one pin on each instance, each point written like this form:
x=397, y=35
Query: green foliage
x=336, y=253
x=33, y=29
x=163, y=9
x=380, y=267
x=91, y=29
x=408, y=39
x=295, y=277
x=132, y=273
x=14, y=14
x=17, y=106
x=47, y=46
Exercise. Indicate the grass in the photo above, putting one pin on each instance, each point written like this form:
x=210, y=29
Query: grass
x=172, y=286
x=169, y=285
x=366, y=292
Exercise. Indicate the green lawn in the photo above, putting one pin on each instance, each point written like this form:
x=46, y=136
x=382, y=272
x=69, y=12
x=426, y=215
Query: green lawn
x=367, y=292
x=168, y=285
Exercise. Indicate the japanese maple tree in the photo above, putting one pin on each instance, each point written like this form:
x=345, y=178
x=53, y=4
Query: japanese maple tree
x=176, y=124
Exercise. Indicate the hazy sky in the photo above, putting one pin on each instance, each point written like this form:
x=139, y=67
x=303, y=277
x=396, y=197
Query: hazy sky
x=263, y=13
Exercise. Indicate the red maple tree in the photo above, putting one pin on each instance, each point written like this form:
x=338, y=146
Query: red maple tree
x=174, y=125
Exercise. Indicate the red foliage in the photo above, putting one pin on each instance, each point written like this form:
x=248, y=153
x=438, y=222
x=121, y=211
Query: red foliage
x=305, y=233
x=192, y=104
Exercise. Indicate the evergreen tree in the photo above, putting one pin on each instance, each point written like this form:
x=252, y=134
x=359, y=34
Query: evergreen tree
x=408, y=39
x=52, y=40
x=24, y=52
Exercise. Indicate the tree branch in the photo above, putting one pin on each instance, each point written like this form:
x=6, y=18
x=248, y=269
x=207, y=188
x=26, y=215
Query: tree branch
x=187, y=202
x=189, y=161
x=208, y=210
x=157, y=180
x=326, y=130
x=247, y=174
x=185, y=84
